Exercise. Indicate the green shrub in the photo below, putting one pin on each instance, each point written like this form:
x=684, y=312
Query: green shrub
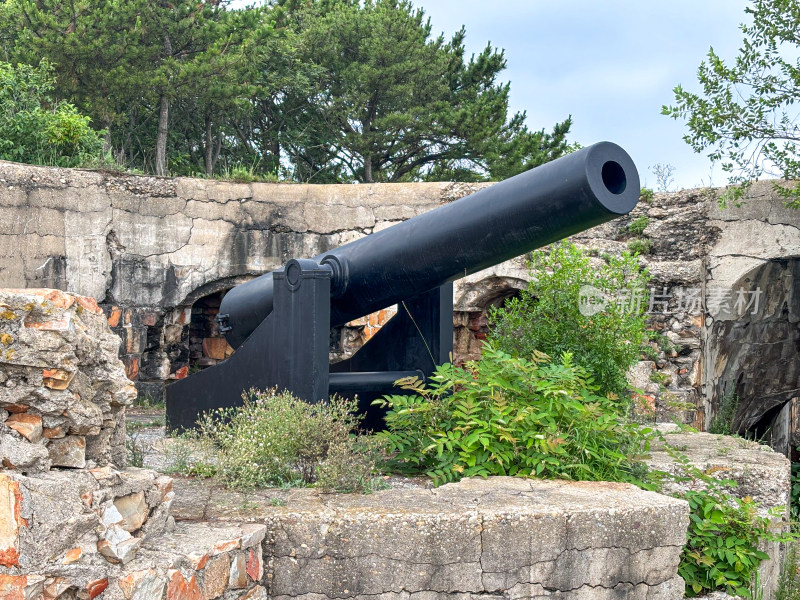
x=506, y=415
x=722, y=423
x=795, y=492
x=637, y=226
x=724, y=534
x=278, y=440
x=547, y=315
x=646, y=194
x=640, y=246
x=34, y=128
x=350, y=467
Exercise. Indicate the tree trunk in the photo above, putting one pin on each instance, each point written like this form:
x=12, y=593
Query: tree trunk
x=161, y=139
x=368, y=169
x=163, y=121
x=209, y=149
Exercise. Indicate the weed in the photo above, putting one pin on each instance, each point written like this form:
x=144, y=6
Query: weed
x=723, y=421
x=724, y=534
x=789, y=582
x=147, y=401
x=639, y=246
x=637, y=226
x=277, y=502
x=134, y=450
x=278, y=440
x=646, y=194
x=190, y=454
x=660, y=378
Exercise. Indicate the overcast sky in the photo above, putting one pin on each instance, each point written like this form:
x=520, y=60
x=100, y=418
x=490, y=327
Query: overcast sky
x=611, y=65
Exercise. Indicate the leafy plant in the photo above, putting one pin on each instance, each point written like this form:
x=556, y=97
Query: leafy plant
x=275, y=439
x=34, y=128
x=504, y=415
x=548, y=317
x=637, y=226
x=639, y=246
x=722, y=423
x=795, y=492
x=725, y=532
x=646, y=195
x=745, y=115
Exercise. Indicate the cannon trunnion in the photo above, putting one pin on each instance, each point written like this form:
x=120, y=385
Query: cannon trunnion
x=280, y=323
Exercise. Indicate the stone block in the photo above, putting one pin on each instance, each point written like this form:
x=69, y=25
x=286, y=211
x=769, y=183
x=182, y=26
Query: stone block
x=478, y=537
x=215, y=577
x=69, y=451
x=27, y=425
x=133, y=510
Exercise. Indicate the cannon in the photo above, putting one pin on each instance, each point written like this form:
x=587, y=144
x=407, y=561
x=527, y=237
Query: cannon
x=279, y=324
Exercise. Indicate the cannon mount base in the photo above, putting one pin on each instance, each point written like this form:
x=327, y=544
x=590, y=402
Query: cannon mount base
x=289, y=351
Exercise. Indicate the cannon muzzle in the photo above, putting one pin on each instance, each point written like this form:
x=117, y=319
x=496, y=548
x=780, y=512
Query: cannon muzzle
x=528, y=211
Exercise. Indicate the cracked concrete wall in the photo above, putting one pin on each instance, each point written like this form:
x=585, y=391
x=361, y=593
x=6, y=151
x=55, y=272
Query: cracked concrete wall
x=147, y=248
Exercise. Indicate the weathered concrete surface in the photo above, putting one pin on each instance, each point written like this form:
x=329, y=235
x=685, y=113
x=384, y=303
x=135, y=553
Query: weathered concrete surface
x=504, y=537
x=63, y=390
x=759, y=472
x=62, y=514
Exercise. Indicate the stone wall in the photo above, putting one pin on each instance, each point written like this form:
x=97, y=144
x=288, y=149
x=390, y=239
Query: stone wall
x=156, y=253
x=63, y=391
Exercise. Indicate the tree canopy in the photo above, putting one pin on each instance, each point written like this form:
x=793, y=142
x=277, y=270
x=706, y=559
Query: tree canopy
x=34, y=128
x=744, y=116
x=310, y=90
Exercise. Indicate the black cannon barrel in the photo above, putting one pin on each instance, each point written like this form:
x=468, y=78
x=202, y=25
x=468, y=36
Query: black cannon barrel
x=528, y=211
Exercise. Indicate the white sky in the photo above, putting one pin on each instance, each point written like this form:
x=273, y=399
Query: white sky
x=610, y=64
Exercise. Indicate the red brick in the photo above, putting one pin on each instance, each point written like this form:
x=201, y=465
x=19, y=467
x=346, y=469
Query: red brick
x=71, y=556
x=27, y=425
x=254, y=564
x=131, y=366
x=114, y=315
x=57, y=298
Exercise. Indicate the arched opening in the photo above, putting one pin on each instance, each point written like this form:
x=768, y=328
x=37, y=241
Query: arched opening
x=207, y=345
x=754, y=353
x=472, y=327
